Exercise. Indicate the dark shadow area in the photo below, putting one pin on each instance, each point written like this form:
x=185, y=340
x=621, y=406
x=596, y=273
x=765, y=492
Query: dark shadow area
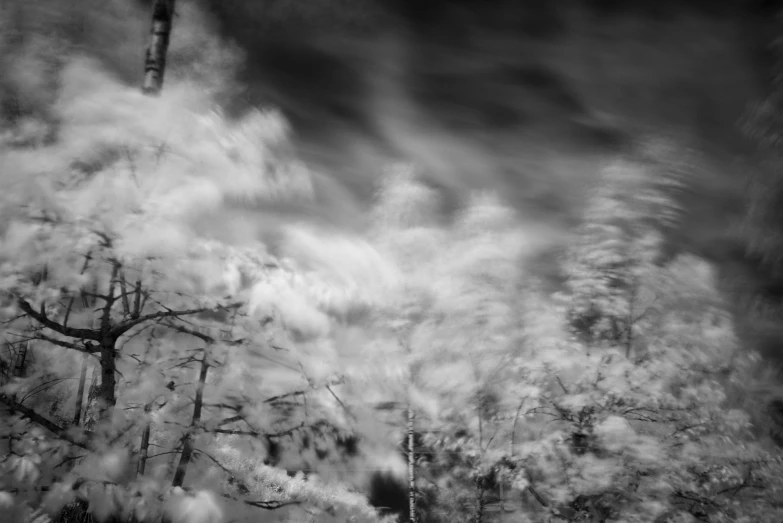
x=388, y=494
x=504, y=94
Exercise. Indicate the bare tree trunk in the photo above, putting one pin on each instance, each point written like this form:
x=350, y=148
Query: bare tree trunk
x=480, y=503
x=501, y=478
x=411, y=466
x=77, y=413
x=6, y=367
x=144, y=450
x=107, y=398
x=21, y=358
x=155, y=60
x=512, y=448
x=479, y=515
x=144, y=446
x=107, y=393
x=187, y=439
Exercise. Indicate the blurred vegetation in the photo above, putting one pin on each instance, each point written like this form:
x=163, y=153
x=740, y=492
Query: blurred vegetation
x=551, y=230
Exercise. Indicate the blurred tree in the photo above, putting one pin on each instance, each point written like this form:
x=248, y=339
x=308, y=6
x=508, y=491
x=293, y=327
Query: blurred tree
x=619, y=243
x=197, y=356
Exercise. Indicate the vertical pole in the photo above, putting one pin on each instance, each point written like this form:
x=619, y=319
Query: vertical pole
x=144, y=449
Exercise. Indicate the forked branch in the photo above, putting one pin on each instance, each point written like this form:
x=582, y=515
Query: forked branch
x=71, y=332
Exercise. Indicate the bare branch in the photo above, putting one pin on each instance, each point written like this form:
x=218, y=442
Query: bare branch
x=336, y=381
x=257, y=434
x=96, y=296
x=273, y=399
x=124, y=293
x=345, y=408
x=87, y=348
x=106, y=241
x=232, y=419
x=270, y=505
x=80, y=439
x=125, y=326
x=562, y=386
x=137, y=301
x=145, y=296
x=110, y=298
x=185, y=330
x=40, y=317
x=43, y=386
x=68, y=311
x=266, y=505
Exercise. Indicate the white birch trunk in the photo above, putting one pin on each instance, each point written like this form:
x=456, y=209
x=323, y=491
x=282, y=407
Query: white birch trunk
x=155, y=60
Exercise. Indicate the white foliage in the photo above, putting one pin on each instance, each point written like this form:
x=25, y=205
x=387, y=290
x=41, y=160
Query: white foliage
x=58, y=496
x=617, y=247
x=403, y=201
x=114, y=463
x=6, y=500
x=279, y=297
x=106, y=501
x=201, y=507
x=615, y=433
x=350, y=266
x=594, y=475
x=206, y=158
x=25, y=469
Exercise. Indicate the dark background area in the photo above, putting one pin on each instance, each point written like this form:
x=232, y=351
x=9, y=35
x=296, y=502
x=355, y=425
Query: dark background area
x=522, y=95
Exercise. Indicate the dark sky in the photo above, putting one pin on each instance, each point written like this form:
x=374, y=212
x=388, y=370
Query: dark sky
x=360, y=78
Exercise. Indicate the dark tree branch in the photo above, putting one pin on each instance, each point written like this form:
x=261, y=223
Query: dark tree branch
x=109, y=299
x=144, y=447
x=86, y=348
x=125, y=326
x=192, y=332
x=81, y=439
x=97, y=296
x=231, y=419
x=137, y=301
x=267, y=505
x=126, y=310
x=273, y=399
x=271, y=505
x=106, y=240
x=40, y=317
x=257, y=434
x=187, y=440
x=42, y=387
x=345, y=408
